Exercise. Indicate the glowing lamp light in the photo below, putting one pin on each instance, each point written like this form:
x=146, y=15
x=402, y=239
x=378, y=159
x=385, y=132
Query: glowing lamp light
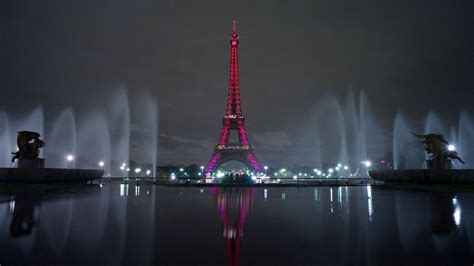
x=265, y=167
x=148, y=172
x=451, y=147
x=346, y=167
x=122, y=167
x=330, y=170
x=367, y=163
x=202, y=167
x=101, y=163
x=70, y=157
x=181, y=169
x=173, y=176
x=295, y=177
x=138, y=170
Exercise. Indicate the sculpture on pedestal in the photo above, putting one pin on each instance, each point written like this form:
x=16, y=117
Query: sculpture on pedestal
x=29, y=144
x=439, y=151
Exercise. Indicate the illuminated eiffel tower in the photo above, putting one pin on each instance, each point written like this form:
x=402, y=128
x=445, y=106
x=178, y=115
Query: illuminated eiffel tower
x=233, y=120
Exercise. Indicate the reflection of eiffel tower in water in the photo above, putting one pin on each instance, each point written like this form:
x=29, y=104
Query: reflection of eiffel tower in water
x=233, y=206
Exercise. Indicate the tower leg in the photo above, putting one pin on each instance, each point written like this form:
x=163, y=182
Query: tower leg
x=211, y=165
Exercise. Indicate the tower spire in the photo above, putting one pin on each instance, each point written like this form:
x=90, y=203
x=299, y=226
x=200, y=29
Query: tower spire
x=234, y=28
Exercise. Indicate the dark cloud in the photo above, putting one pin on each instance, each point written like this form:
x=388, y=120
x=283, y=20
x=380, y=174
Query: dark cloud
x=413, y=56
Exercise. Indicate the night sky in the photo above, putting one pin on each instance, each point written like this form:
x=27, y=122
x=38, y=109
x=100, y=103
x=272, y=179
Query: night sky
x=405, y=55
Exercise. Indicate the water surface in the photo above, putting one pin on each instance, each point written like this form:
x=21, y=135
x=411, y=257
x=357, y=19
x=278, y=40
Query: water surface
x=125, y=224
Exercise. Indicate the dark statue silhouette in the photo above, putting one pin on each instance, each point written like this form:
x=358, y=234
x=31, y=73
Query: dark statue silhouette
x=29, y=144
x=437, y=148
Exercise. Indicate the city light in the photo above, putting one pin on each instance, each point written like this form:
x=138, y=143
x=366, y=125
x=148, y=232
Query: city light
x=202, y=167
x=346, y=167
x=173, y=176
x=181, y=169
x=451, y=147
x=101, y=163
x=330, y=170
x=148, y=172
x=138, y=170
x=367, y=163
x=70, y=158
x=295, y=177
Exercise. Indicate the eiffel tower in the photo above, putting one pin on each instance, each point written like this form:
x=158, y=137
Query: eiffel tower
x=233, y=120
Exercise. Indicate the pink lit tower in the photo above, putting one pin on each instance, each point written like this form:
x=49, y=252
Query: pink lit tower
x=233, y=120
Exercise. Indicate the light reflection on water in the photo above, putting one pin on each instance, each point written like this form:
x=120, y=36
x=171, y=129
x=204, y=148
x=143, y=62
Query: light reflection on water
x=140, y=224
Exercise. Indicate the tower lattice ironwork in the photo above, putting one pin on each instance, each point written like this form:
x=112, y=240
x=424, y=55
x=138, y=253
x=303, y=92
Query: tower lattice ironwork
x=233, y=120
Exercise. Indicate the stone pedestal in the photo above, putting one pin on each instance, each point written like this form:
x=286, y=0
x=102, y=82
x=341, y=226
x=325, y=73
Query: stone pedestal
x=434, y=164
x=31, y=163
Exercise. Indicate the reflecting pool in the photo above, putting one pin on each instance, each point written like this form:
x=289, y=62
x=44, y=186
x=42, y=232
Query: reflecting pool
x=125, y=224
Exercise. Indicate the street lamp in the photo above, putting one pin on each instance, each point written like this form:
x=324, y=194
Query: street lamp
x=70, y=157
x=101, y=163
x=202, y=170
x=70, y=160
